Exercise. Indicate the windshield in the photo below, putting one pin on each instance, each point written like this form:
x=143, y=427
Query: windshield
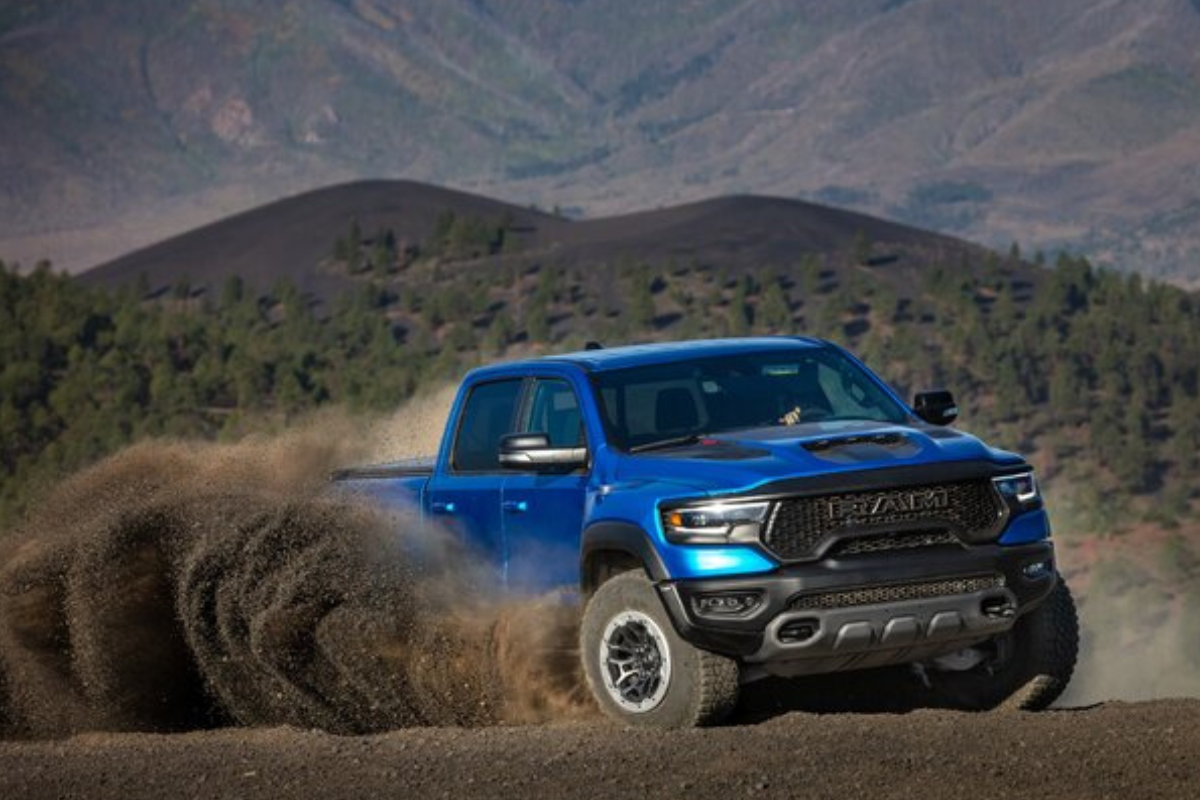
x=645, y=405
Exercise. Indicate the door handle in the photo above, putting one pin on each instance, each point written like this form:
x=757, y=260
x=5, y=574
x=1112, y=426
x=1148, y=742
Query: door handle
x=439, y=507
x=515, y=506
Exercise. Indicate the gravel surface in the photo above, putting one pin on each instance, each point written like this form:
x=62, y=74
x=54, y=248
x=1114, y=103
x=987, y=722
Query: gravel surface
x=1116, y=750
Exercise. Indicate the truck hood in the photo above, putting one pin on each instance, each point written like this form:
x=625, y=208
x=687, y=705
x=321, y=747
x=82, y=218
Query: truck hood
x=742, y=459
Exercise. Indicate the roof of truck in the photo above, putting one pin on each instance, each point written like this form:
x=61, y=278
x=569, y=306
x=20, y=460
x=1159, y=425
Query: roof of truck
x=640, y=355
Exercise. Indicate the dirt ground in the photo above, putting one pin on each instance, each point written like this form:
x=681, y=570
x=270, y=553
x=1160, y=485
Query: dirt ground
x=1149, y=750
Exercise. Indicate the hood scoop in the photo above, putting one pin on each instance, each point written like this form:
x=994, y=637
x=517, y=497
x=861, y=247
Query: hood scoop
x=863, y=447
x=891, y=439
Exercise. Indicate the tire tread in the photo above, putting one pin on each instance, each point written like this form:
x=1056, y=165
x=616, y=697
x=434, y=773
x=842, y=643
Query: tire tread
x=713, y=684
x=1056, y=645
x=718, y=687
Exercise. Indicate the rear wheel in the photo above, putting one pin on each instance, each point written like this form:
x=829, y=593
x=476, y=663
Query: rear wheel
x=1027, y=668
x=639, y=669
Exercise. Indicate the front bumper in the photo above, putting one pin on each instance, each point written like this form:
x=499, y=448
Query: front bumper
x=790, y=636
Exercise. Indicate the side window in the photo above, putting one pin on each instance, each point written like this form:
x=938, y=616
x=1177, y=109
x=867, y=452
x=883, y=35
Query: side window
x=486, y=417
x=554, y=411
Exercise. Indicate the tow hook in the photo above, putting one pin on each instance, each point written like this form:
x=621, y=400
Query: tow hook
x=998, y=608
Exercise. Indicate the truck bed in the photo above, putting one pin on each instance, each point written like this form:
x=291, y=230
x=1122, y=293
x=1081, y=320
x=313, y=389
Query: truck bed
x=420, y=467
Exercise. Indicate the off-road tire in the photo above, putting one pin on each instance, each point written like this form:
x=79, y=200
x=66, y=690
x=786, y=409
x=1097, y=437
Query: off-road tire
x=1038, y=658
x=703, y=687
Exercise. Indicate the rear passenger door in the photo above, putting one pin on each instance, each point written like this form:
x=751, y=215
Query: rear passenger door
x=543, y=512
x=465, y=494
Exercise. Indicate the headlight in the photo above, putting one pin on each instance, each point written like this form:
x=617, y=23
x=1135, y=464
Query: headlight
x=1019, y=491
x=715, y=523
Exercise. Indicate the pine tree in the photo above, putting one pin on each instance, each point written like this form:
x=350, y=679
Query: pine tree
x=775, y=315
x=641, y=301
x=1134, y=462
x=537, y=319
x=381, y=258
x=740, y=319
x=810, y=277
x=232, y=292
x=1184, y=423
x=860, y=248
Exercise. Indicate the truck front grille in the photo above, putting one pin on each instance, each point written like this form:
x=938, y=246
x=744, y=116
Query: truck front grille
x=799, y=527
x=894, y=593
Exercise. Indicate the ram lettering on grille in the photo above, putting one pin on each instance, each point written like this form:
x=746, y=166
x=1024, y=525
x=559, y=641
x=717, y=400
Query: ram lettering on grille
x=849, y=508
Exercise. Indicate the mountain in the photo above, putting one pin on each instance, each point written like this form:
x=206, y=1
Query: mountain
x=293, y=239
x=296, y=239
x=1049, y=122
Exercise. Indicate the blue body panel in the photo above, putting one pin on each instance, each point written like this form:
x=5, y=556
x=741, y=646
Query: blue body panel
x=531, y=526
x=1032, y=526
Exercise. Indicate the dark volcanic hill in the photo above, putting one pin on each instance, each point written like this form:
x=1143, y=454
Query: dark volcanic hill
x=1048, y=122
x=294, y=239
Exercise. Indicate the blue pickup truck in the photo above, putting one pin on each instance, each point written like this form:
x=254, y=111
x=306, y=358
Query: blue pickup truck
x=727, y=510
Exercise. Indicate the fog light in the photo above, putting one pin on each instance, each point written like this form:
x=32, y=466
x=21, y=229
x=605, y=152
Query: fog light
x=726, y=604
x=1037, y=569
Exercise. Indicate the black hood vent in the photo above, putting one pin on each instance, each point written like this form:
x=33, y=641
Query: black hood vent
x=890, y=439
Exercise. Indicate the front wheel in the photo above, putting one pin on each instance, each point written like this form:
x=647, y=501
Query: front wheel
x=1026, y=668
x=639, y=669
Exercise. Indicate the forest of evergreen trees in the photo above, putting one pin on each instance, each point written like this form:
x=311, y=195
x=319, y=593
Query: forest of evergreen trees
x=1095, y=373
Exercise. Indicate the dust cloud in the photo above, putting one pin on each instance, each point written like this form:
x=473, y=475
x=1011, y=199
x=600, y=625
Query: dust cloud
x=182, y=585
x=1140, y=637
x=415, y=430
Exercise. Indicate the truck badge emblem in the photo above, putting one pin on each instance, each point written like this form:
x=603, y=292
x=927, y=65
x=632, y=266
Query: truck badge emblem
x=879, y=505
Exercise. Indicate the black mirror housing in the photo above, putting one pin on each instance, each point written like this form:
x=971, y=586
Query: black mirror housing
x=937, y=407
x=531, y=452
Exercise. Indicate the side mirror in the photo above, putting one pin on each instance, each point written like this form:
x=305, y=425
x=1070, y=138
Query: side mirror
x=936, y=407
x=532, y=452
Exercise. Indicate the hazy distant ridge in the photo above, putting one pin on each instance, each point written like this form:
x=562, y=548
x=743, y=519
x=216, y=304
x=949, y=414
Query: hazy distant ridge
x=1047, y=122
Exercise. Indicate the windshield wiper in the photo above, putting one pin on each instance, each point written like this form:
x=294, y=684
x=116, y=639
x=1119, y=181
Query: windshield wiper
x=663, y=444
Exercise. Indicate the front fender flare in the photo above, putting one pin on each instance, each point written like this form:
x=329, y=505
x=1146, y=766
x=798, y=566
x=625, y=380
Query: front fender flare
x=620, y=537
